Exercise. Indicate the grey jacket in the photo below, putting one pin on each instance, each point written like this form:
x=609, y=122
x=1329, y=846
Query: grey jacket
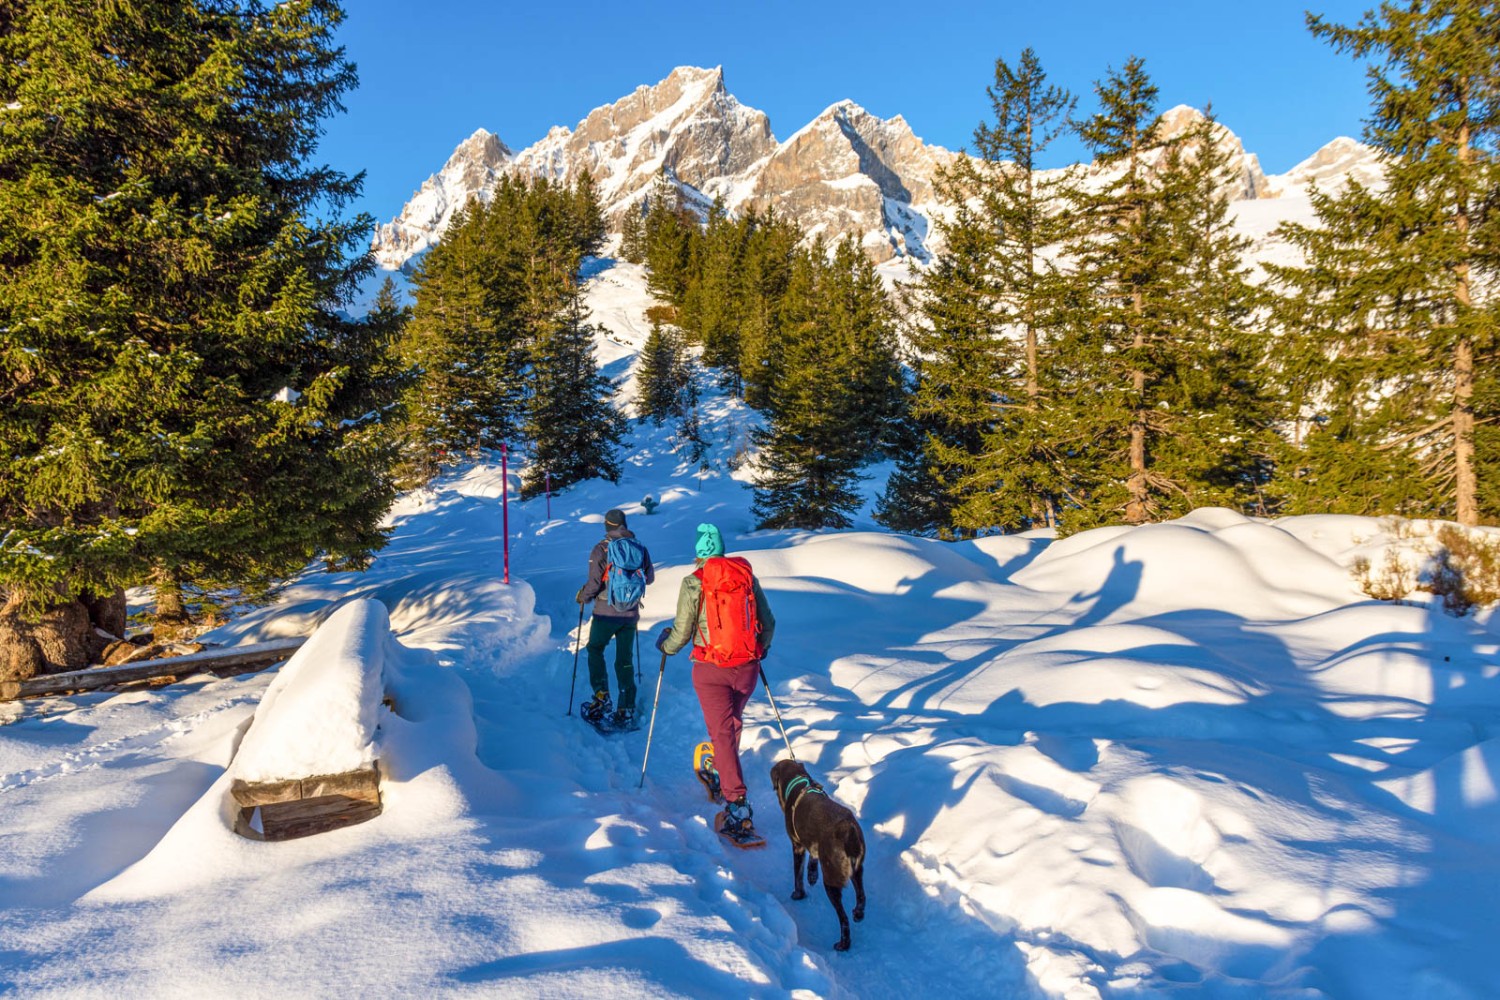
x=595, y=591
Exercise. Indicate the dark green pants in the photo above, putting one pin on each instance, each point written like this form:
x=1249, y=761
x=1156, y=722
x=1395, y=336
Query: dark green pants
x=622, y=631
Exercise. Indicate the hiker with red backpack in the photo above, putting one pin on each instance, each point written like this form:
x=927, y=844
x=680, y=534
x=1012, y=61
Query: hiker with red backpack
x=619, y=570
x=722, y=612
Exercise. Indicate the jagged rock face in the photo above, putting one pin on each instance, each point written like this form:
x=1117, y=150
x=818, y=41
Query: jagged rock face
x=687, y=124
x=1245, y=177
x=472, y=170
x=1331, y=167
x=851, y=173
x=846, y=173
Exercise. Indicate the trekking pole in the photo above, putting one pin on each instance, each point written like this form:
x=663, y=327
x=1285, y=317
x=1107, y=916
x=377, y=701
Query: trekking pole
x=577, y=641
x=651, y=730
x=767, y=685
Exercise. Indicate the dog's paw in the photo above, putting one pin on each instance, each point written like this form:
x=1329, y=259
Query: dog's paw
x=841, y=946
x=859, y=913
x=798, y=894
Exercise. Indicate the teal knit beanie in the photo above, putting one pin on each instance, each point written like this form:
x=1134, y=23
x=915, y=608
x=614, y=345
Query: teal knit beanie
x=710, y=543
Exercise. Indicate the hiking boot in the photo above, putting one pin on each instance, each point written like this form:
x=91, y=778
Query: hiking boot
x=623, y=718
x=737, y=818
x=596, y=707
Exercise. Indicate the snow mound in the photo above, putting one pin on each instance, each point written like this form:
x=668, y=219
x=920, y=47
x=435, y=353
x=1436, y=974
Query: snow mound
x=1226, y=561
x=319, y=714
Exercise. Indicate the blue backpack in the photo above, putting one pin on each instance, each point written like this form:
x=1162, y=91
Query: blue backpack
x=624, y=574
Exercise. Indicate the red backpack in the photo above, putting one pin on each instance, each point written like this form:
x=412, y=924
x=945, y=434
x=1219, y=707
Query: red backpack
x=732, y=627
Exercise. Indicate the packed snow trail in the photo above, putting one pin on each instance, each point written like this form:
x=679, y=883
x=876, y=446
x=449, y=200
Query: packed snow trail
x=1182, y=758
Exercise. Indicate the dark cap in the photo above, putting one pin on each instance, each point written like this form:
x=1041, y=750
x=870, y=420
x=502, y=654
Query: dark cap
x=615, y=518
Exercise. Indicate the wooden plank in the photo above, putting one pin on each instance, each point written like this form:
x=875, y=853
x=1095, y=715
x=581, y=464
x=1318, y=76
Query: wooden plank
x=264, y=793
x=234, y=659
x=305, y=817
x=362, y=784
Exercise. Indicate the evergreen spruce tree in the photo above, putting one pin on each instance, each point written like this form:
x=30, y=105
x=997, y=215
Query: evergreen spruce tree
x=690, y=434
x=589, y=228
x=811, y=452
x=470, y=387
x=170, y=262
x=669, y=231
x=1393, y=320
x=763, y=275
x=857, y=320
x=633, y=235
x=659, y=381
x=1164, y=412
x=983, y=397
x=573, y=428
x=711, y=310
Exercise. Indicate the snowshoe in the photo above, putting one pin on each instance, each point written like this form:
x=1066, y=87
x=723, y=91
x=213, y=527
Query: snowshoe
x=623, y=720
x=596, y=708
x=703, y=767
x=733, y=824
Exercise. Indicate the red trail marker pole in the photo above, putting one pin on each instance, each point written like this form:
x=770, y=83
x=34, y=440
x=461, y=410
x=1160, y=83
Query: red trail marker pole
x=505, y=508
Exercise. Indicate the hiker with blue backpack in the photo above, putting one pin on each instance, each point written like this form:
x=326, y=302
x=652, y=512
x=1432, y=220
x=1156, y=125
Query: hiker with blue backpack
x=619, y=570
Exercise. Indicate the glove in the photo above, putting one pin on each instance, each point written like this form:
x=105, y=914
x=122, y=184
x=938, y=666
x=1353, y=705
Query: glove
x=661, y=640
x=579, y=598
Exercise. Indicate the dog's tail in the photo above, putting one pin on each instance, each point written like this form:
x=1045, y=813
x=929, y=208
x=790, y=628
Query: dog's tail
x=852, y=856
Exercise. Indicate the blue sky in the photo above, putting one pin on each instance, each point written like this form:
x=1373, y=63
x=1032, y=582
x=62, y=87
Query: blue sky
x=433, y=72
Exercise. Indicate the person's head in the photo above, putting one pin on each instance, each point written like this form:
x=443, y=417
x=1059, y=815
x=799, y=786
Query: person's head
x=709, y=542
x=615, y=518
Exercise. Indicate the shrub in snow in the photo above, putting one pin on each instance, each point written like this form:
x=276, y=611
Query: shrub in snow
x=1457, y=564
x=1466, y=574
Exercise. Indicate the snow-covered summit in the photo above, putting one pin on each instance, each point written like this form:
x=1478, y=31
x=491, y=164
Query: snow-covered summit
x=471, y=171
x=846, y=172
x=1330, y=167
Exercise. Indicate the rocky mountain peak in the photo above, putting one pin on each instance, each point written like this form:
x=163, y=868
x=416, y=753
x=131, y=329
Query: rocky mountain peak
x=846, y=172
x=1332, y=166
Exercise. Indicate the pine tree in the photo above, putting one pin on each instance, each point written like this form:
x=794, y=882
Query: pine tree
x=690, y=432
x=711, y=310
x=633, y=235
x=589, y=228
x=857, y=320
x=982, y=397
x=469, y=394
x=573, y=427
x=170, y=262
x=658, y=383
x=1164, y=412
x=763, y=276
x=669, y=231
x=810, y=453
x=1394, y=318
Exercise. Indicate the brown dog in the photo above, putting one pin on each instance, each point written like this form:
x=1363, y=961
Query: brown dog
x=817, y=825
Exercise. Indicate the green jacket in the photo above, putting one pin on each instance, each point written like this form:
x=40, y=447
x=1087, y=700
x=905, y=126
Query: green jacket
x=690, y=620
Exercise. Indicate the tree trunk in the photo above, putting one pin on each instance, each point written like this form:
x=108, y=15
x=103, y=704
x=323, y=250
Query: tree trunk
x=1466, y=481
x=1466, y=486
x=172, y=618
x=1138, y=508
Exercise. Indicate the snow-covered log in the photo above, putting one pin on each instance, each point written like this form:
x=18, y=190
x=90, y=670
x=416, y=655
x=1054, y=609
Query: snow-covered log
x=224, y=662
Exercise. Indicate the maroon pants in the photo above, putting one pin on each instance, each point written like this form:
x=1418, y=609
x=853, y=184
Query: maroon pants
x=723, y=693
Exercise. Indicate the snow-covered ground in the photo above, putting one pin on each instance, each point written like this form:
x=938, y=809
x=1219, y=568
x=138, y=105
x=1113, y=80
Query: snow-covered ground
x=1184, y=758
